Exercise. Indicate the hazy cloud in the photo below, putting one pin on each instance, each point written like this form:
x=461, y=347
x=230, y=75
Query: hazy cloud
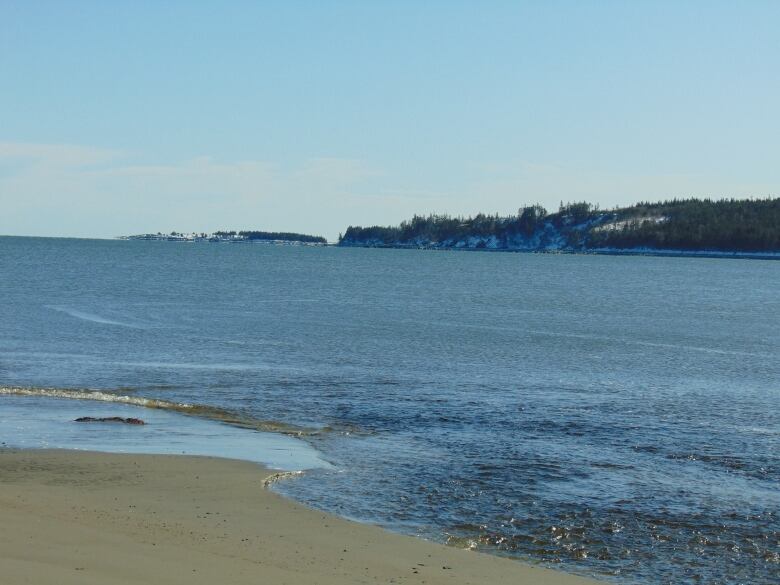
x=42, y=186
x=50, y=189
x=54, y=155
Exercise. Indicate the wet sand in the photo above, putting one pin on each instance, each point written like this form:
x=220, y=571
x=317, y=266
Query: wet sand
x=71, y=517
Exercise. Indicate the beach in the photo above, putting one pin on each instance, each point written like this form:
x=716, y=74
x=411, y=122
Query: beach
x=83, y=517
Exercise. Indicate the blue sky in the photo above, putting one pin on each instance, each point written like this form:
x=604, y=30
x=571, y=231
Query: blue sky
x=124, y=117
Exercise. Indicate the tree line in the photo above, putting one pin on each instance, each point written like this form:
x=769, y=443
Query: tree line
x=693, y=224
x=280, y=236
x=685, y=224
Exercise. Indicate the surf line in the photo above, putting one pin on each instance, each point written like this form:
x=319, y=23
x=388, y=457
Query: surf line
x=199, y=410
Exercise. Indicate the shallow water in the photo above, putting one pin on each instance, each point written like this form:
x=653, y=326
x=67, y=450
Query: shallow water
x=613, y=416
x=42, y=423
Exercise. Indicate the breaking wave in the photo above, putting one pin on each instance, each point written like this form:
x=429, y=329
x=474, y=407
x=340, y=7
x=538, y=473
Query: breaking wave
x=199, y=410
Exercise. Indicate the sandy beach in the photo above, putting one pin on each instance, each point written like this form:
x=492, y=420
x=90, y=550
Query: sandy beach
x=83, y=518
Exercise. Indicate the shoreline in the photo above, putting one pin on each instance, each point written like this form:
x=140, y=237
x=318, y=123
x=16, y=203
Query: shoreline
x=91, y=517
x=655, y=252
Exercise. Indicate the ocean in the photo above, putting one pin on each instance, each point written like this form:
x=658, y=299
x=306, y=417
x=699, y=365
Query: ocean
x=610, y=416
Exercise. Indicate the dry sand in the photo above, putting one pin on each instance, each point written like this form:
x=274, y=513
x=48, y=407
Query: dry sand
x=93, y=518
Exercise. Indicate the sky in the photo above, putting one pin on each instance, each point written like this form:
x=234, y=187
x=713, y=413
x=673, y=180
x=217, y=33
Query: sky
x=138, y=116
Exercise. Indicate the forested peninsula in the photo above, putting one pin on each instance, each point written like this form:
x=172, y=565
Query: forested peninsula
x=681, y=225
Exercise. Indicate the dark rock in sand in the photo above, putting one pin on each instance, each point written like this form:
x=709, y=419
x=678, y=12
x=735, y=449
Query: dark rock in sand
x=119, y=419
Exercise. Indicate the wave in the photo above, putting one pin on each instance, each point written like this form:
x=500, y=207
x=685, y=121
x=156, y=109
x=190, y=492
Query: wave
x=91, y=317
x=191, y=366
x=609, y=339
x=281, y=476
x=604, y=338
x=200, y=410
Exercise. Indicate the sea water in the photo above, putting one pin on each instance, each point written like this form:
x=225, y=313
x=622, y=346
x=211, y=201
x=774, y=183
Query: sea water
x=610, y=416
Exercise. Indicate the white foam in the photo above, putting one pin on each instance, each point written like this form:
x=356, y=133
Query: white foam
x=96, y=395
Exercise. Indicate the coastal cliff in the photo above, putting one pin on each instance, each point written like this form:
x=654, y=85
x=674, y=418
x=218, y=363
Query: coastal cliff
x=690, y=226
